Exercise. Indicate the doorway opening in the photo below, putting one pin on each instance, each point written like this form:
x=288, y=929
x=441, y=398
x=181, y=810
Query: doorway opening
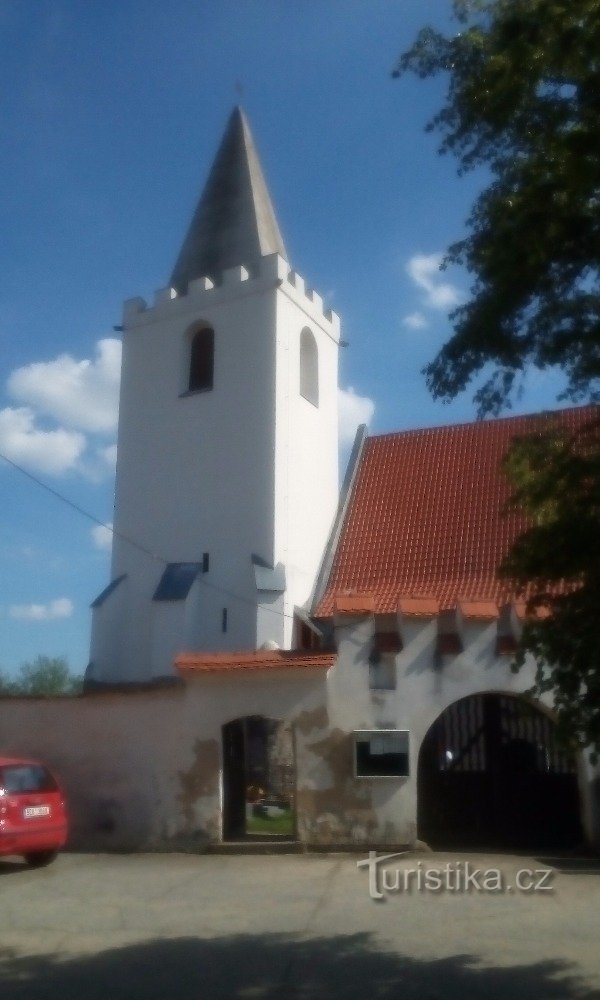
x=259, y=779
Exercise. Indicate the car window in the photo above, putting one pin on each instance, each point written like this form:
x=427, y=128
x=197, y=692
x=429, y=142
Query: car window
x=26, y=778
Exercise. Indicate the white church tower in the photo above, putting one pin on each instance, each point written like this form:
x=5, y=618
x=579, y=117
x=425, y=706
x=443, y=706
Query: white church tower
x=227, y=449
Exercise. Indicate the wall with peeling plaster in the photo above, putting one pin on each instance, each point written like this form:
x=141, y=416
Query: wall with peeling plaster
x=143, y=770
x=426, y=684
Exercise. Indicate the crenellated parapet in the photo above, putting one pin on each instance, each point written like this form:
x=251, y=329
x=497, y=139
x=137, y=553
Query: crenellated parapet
x=204, y=293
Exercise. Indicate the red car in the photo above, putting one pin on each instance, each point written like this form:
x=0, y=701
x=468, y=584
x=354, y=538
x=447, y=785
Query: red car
x=33, y=819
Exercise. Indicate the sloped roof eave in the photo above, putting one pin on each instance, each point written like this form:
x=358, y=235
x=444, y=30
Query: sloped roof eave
x=294, y=660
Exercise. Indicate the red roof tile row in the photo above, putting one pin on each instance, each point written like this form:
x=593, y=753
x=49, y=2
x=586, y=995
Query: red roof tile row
x=425, y=518
x=260, y=659
x=482, y=610
x=354, y=604
x=419, y=607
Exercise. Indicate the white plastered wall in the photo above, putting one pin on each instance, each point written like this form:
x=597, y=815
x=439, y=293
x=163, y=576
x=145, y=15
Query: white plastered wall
x=306, y=479
x=145, y=769
x=425, y=687
x=247, y=468
x=194, y=471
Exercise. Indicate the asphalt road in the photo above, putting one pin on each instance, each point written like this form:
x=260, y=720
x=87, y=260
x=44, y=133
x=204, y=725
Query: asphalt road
x=180, y=926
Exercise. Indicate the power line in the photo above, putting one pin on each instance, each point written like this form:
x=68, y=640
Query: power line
x=80, y=510
x=130, y=541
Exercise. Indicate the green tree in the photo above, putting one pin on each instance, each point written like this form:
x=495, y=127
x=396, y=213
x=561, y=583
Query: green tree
x=44, y=676
x=557, y=482
x=523, y=102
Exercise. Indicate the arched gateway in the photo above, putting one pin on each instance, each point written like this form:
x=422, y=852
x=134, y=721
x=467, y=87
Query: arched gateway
x=491, y=775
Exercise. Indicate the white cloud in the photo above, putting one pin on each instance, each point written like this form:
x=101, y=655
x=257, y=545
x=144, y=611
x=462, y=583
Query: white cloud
x=102, y=537
x=80, y=394
x=81, y=397
x=415, y=321
x=424, y=269
x=108, y=455
x=62, y=607
x=98, y=462
x=353, y=410
x=54, y=451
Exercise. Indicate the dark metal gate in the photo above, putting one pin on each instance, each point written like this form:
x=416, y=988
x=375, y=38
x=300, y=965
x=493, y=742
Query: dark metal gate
x=491, y=775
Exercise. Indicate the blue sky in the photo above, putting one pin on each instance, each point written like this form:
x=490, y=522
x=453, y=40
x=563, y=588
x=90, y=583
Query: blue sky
x=112, y=112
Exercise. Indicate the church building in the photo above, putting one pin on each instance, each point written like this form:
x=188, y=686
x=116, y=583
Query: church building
x=275, y=658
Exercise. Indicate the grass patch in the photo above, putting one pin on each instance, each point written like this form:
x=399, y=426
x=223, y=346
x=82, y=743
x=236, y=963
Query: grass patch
x=282, y=825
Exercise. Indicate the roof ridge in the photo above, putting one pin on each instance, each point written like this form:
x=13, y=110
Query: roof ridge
x=484, y=421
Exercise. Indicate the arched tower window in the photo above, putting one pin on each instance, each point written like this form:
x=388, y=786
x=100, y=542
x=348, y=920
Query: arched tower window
x=202, y=356
x=309, y=367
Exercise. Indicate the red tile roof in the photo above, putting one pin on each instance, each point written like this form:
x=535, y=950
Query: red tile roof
x=260, y=659
x=419, y=607
x=483, y=610
x=353, y=604
x=425, y=515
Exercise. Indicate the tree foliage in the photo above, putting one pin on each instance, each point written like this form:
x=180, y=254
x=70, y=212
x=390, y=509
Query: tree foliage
x=523, y=102
x=556, y=562
x=45, y=676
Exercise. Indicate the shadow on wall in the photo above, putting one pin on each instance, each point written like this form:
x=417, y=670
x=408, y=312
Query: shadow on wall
x=273, y=966
x=109, y=822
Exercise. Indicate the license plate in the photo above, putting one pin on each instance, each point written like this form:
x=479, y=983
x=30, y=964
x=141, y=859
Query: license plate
x=31, y=812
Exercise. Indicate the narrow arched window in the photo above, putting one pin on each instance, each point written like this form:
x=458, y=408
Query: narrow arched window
x=202, y=356
x=309, y=367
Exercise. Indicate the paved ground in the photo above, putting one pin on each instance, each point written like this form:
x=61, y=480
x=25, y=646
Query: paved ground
x=204, y=927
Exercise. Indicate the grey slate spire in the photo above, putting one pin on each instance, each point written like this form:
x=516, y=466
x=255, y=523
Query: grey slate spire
x=234, y=222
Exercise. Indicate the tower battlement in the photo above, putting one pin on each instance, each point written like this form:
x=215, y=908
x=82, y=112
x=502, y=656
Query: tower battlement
x=271, y=270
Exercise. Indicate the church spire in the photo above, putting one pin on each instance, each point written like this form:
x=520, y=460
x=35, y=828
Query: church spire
x=234, y=222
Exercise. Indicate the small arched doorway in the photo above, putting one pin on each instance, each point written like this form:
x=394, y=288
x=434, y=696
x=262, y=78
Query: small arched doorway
x=259, y=779
x=491, y=774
